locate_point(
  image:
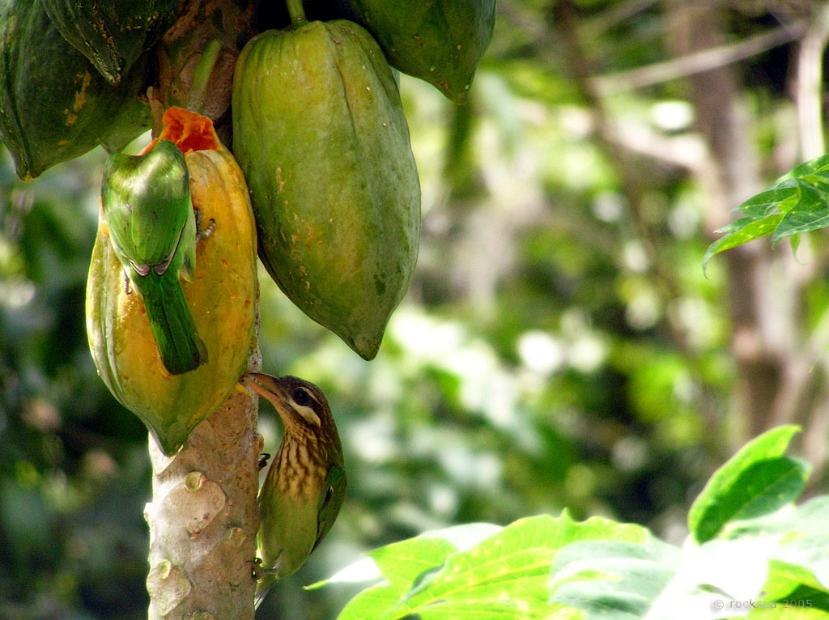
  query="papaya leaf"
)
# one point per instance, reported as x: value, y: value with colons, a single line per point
x: 794, y: 592
x: 733, y: 492
x: 503, y: 576
x: 819, y: 166
x: 771, y: 565
x: 402, y: 564
x: 805, y: 544
x: 784, y: 578
x: 797, y: 202
x: 459, y: 537
x: 744, y: 574
x: 509, y: 572
x: 811, y: 212
x: 611, y: 578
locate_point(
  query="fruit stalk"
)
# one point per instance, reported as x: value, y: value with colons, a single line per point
x: 297, y: 13
x: 202, y: 73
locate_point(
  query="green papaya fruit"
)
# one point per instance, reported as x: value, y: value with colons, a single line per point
x: 54, y: 105
x: 112, y: 34
x: 441, y: 41
x: 320, y: 134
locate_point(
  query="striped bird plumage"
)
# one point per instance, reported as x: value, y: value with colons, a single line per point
x: 305, y: 486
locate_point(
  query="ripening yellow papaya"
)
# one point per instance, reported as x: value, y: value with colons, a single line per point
x: 222, y: 298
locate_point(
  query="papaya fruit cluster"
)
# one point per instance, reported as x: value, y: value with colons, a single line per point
x: 325, y: 188
x: 320, y: 134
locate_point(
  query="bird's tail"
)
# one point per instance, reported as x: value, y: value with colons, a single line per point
x: 172, y: 323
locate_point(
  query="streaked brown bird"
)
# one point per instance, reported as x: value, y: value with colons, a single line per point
x: 305, y: 486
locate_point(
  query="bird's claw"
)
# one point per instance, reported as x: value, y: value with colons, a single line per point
x: 256, y: 571
x: 203, y: 233
x: 263, y: 459
x: 127, y: 289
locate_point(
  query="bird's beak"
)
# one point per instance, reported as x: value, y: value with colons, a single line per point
x: 266, y: 386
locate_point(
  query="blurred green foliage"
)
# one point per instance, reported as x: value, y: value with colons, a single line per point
x: 546, y: 356
x: 74, y: 471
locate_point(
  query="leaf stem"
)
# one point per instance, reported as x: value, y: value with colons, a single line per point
x: 297, y: 13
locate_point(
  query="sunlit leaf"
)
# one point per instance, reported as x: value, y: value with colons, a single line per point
x: 805, y: 544
x: 771, y: 563
x: 613, y: 579
x: 402, y: 564
x: 505, y: 575
x: 744, y: 488
x: 784, y: 578
x: 460, y: 537
x: 511, y: 568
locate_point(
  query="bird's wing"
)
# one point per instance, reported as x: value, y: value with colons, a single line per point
x: 330, y: 501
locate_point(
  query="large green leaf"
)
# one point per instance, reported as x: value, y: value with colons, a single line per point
x: 402, y: 564
x: 755, y: 481
x: 771, y: 567
x: 504, y: 576
x: 753, y: 554
x: 802, y: 557
x: 509, y: 572
x: 611, y: 578
x: 797, y: 562
x: 785, y: 578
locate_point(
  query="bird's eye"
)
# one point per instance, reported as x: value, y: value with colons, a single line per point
x: 303, y: 402
x: 301, y: 397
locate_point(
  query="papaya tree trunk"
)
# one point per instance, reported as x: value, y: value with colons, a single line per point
x: 203, y: 518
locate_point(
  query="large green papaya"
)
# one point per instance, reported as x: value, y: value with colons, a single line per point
x: 320, y: 134
x: 54, y: 105
x: 441, y: 41
x: 222, y: 297
x: 112, y: 34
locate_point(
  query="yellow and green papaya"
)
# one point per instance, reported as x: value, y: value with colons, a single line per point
x: 222, y: 298
x: 54, y: 105
x: 319, y: 131
x: 441, y: 41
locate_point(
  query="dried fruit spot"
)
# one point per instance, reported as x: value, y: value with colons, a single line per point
x: 80, y: 96
x: 279, y: 180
